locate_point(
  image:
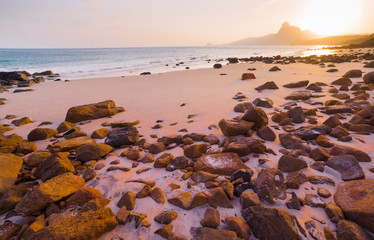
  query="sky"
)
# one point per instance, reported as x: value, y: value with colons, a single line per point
x: 139, y: 23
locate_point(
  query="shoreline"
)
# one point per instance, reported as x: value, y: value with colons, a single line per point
x: 194, y: 100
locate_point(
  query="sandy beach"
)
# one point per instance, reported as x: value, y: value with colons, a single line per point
x: 193, y: 101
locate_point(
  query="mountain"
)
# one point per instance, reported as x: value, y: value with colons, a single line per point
x: 336, y: 40
x: 287, y: 35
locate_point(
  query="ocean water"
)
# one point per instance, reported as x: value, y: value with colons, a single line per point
x: 86, y: 63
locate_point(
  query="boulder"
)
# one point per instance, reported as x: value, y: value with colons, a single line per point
x: 56, y: 164
x: 295, y: 179
x: 290, y: 141
x: 311, y: 132
x: 266, y: 133
x: 8, y: 144
x: 274, y: 69
x: 268, y: 223
x: 246, y: 76
x: 346, y: 230
x: 10, y: 198
x: 75, y: 224
x: 353, y: 73
x: 239, y: 226
x: 49, y: 192
x: 234, y: 127
x: 257, y: 116
x: 21, y: 121
x: 163, y: 161
x: 269, y: 185
x: 299, y: 95
x: 83, y: 196
x: 290, y: 164
x: 201, y: 233
x: 299, y: 84
x: 220, y: 163
x: 342, y: 81
x: 8, y: 230
x: 92, y: 111
x: 69, y: 145
x: 41, y: 134
x: 10, y: 165
x: 345, y: 150
x: 347, y: 166
x: 313, y: 200
x: 297, y: 114
x: 92, y: 151
x: 211, y: 218
x: 356, y: 199
x: 127, y: 200
x: 166, y: 217
x: 156, y: 148
x: 249, y: 199
x: 218, y: 198
x: 263, y: 102
x: 369, y: 78
x: 182, y: 200
x: 26, y: 147
x: 242, y: 107
x: 334, y: 212
x: 369, y: 65
x: 100, y: 133
x: 267, y: 85
x: 195, y: 150
x: 123, y: 136
x: 65, y: 126
x: 34, y: 159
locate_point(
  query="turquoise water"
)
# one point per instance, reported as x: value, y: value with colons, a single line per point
x: 80, y: 63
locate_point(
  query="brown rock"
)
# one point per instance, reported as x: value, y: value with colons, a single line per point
x: 211, y: 218
x: 163, y: 160
x: 234, y: 128
x: 345, y: 150
x: 198, y: 200
x: 158, y: 195
x: 144, y: 192
x: 21, y: 121
x: 71, y: 144
x: 323, y: 192
x: 239, y: 226
x: 334, y: 212
x: 266, y: 133
x: 356, y: 199
x: 195, y: 150
x: 290, y: 141
x: 339, y: 132
x: 314, y: 201
x: 346, y: 230
x: 257, y: 116
x: 221, y: 163
x: 295, y: 179
x: 218, y: 198
x: 41, y: 134
x: 156, y: 148
x: 299, y: 95
x: 267, y: 85
x: 246, y: 76
x: 166, y: 231
x: 298, y: 84
x: 249, y: 199
x: 319, y: 154
x: 269, y: 185
x: 347, y: 166
x: 324, y: 141
x: 56, y: 164
x: 290, y: 164
x: 65, y: 126
x: 92, y: 151
x: 8, y: 230
x: 83, y: 196
x: 127, y: 200
x: 10, y: 165
x: 182, y: 200
x: 211, y: 233
x: 166, y: 217
x: 8, y: 144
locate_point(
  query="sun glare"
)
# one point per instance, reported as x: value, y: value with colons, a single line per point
x: 331, y: 17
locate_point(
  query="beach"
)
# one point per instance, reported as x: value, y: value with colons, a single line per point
x: 194, y: 101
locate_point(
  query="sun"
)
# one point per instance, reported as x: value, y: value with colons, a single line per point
x: 331, y: 17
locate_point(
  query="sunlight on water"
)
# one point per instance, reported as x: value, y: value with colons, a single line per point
x: 318, y: 52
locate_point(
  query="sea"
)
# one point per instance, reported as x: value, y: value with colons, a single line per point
x: 78, y: 63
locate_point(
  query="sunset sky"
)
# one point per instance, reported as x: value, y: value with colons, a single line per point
x: 129, y: 23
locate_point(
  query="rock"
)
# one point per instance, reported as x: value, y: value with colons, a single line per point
x: 65, y: 126
x: 249, y: 199
x: 235, y: 127
x: 203, y: 177
x: 8, y: 144
x: 291, y: 141
x: 323, y: 192
x: 211, y: 233
x: 239, y: 226
x: 244, y: 174
x: 369, y: 78
x: 41, y: 134
x: 198, y: 200
x: 100, y: 133
x: 10, y: 165
x: 269, y: 185
x: 182, y: 200
x: 369, y: 65
x: 314, y: 201
x: 334, y: 212
x: 165, y: 231
x: 299, y: 84
x: 319, y: 154
x: 314, y: 179
x: 342, y: 81
x: 158, y: 195
x: 133, y: 154
x: 366, y: 128
x: 218, y: 198
x: 257, y: 116
x: 314, y: 87
x: 295, y: 179
x: 87, y: 174
x: 290, y: 164
x: 127, y: 200
x: 144, y: 192
x: 345, y: 150
x: 274, y: 69
x: 8, y: 230
x: 156, y: 148
x: 297, y: 114
x: 211, y: 139
x: 267, y: 85
x: 148, y: 158
x: 49, y: 192
x: 339, y: 132
x: 346, y: 230
x: 34, y: 159
x: 195, y: 150
x: 299, y: 95
x: 217, y: 66
x: 122, y: 215
x: 311, y: 132
x: 56, y: 164
x: 220, y: 163
x: 242, y: 107
x: 263, y: 102
x: 280, y: 221
x: 92, y: 151
x: 311, y: 227
x: 120, y: 124
x: 83, y: 196
x: 166, y: 217
x: 73, y: 224
x: 123, y: 136
x: 324, y: 141
x: 211, y: 218
x: 163, y: 160
x: 246, y: 76
x: 347, y: 166
x: 294, y: 202
x: 92, y: 111
x: 356, y: 199
x: 69, y: 145
x: 10, y: 198
x: 26, y: 147
x: 332, y: 122
x: 173, y: 139
x: 353, y: 74
x: 180, y: 162
x: 21, y: 121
